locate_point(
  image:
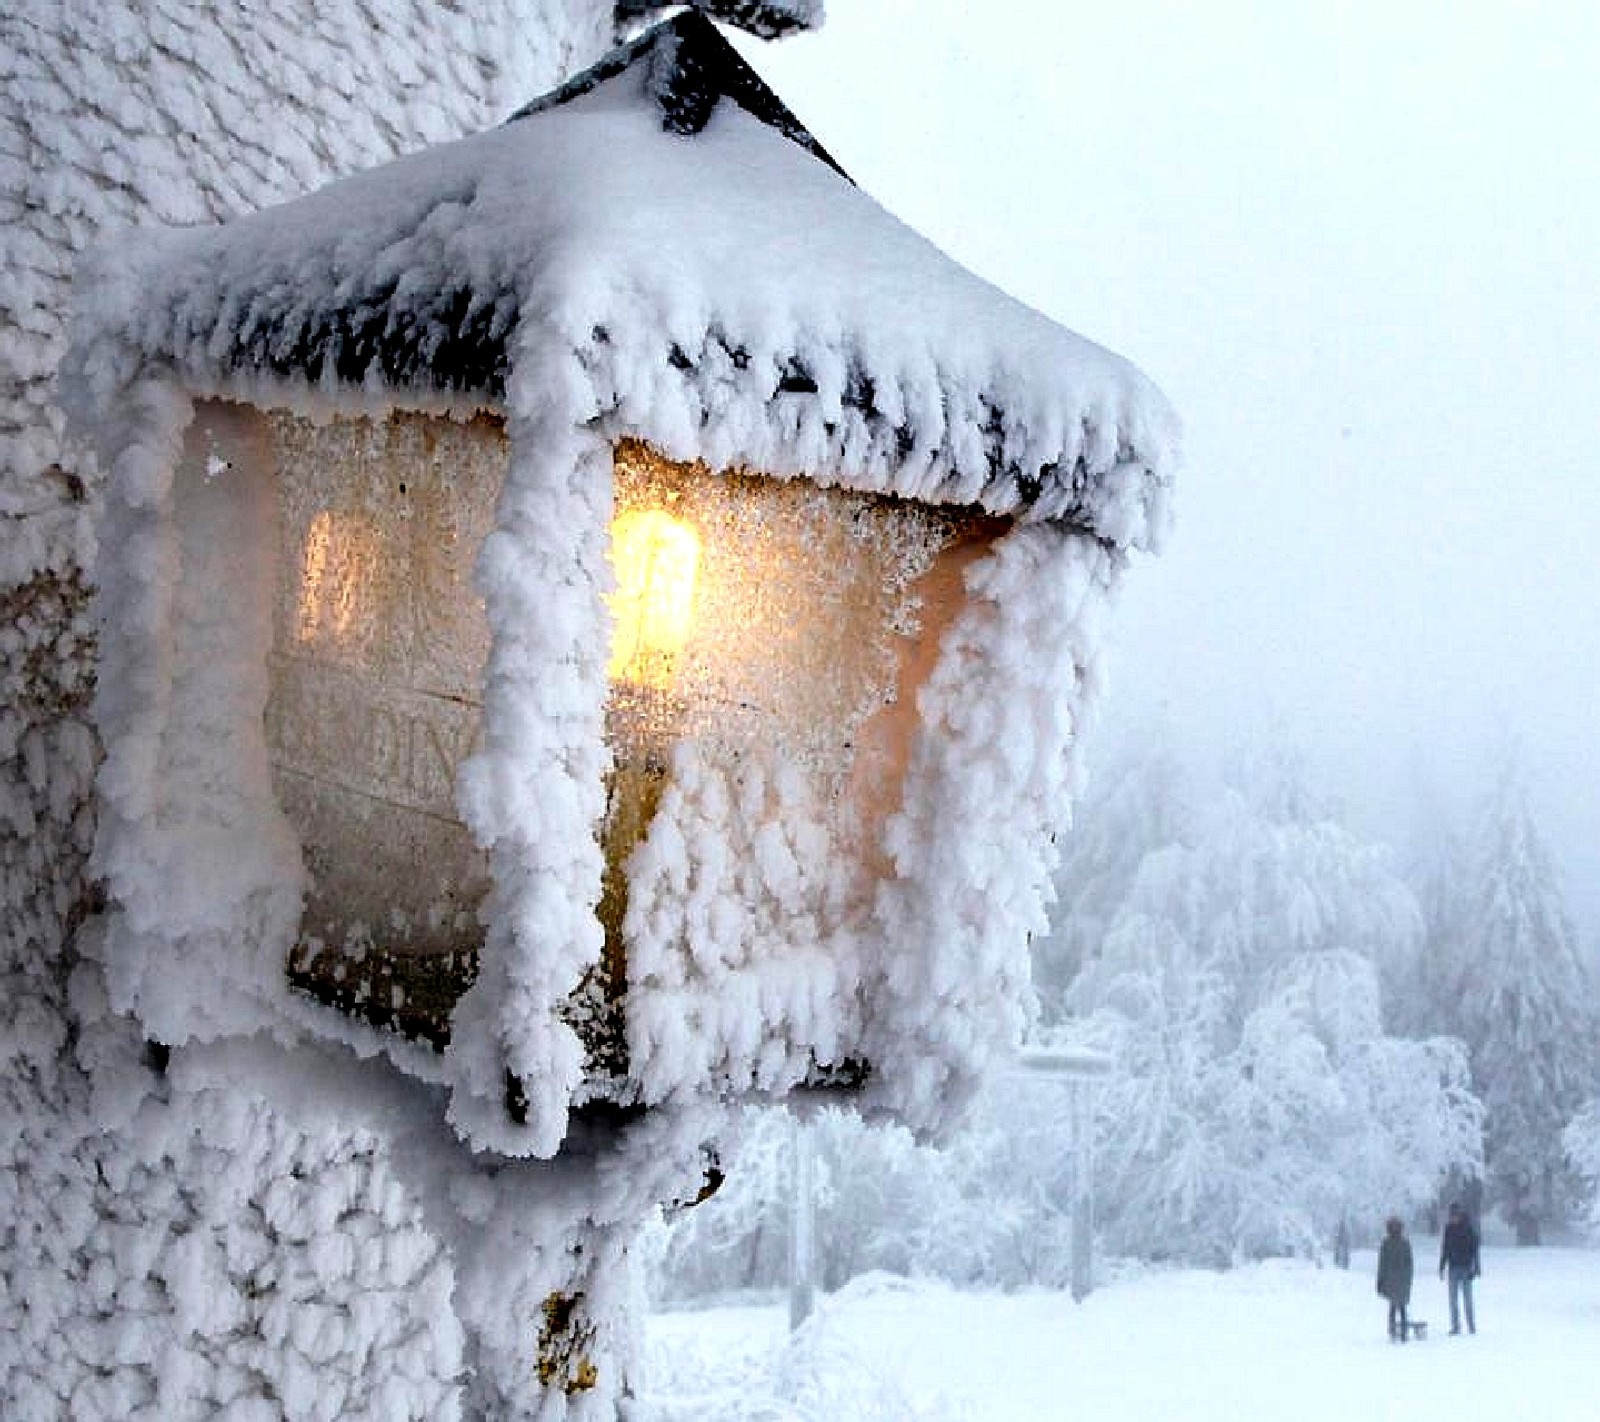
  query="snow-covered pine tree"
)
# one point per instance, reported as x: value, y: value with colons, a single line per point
x: 1515, y: 988
x: 1581, y: 1141
x: 1422, y: 997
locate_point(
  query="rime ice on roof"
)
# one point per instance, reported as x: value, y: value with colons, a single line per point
x: 658, y: 252
x: 723, y: 290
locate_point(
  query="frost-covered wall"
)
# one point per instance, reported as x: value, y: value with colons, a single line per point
x: 145, y: 1271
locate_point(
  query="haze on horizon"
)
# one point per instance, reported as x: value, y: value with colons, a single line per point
x: 1359, y: 248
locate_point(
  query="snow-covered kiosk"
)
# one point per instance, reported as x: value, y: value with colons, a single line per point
x: 600, y: 613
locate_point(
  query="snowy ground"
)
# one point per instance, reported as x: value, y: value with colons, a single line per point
x: 1269, y: 1342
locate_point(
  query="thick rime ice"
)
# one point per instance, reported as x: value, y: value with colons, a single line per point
x: 515, y: 1235
x: 185, y: 111
x: 756, y: 954
x: 746, y: 967
x: 730, y: 298
x: 993, y: 775
x: 534, y: 792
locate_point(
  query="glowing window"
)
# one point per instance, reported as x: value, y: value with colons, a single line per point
x: 656, y: 557
x: 336, y: 571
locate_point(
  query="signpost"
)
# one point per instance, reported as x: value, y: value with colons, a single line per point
x: 1079, y: 1069
x: 802, y: 1221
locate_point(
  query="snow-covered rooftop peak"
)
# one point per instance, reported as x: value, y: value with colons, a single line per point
x: 687, y: 69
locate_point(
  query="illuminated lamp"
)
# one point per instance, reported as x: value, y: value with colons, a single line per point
x: 614, y: 647
x: 587, y: 643
x: 753, y: 620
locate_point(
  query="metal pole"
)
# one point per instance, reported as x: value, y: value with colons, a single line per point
x: 1082, y: 1188
x: 802, y: 1223
x: 1079, y: 1069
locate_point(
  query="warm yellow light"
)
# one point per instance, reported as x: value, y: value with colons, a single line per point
x: 657, y: 558
x: 338, y: 562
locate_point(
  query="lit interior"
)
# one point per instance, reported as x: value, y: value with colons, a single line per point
x: 657, y: 561
x: 340, y: 555
x: 766, y: 629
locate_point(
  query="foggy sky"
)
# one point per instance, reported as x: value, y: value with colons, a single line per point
x: 1359, y: 248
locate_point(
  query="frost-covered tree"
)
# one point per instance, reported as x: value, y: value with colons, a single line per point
x: 1258, y: 1099
x: 1507, y: 978
x: 1137, y: 802
x: 991, y: 1207
x: 1581, y: 1141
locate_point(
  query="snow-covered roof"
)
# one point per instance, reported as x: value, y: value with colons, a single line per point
x: 664, y: 234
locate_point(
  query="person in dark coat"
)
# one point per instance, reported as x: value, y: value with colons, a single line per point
x: 1458, y: 1257
x: 1394, y: 1276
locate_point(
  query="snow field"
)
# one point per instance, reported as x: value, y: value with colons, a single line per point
x: 1278, y: 1340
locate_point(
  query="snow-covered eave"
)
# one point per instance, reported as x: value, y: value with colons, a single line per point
x: 727, y: 296
x: 920, y: 429
x: 711, y: 404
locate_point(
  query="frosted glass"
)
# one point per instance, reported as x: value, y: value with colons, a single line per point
x: 379, y: 644
x: 800, y: 617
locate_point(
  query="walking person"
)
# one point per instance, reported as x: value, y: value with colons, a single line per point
x: 1458, y: 1257
x: 1394, y: 1277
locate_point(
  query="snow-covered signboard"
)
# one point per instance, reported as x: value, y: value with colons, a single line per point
x: 599, y: 613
